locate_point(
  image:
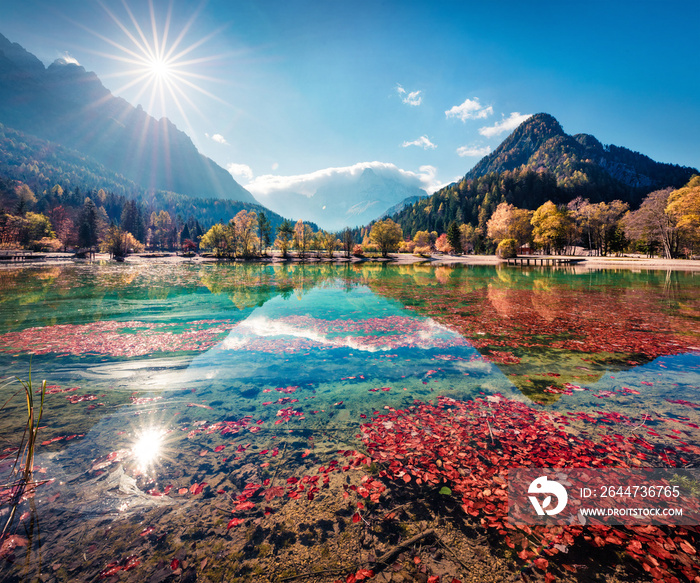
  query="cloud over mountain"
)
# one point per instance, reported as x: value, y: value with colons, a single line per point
x: 308, y: 184
x: 344, y: 196
x: 506, y: 125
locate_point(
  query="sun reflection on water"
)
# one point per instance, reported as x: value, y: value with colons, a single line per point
x: 148, y: 447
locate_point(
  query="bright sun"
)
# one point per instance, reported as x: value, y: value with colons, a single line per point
x: 160, y: 68
x: 160, y: 64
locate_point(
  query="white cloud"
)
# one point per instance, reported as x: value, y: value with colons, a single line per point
x: 240, y: 171
x: 308, y: 184
x: 470, y: 109
x: 422, y: 142
x: 469, y: 151
x: 218, y: 138
x: 275, y: 166
x: 506, y: 125
x: 429, y: 178
x: 66, y: 59
x: 413, y: 98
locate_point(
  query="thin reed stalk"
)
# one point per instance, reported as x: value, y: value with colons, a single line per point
x: 24, y: 462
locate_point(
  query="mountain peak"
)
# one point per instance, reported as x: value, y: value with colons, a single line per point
x: 66, y: 104
x: 20, y: 57
x: 541, y: 122
x: 589, y: 142
x: 66, y: 62
x: 540, y: 143
x: 525, y: 140
x: 69, y: 79
x: 539, y: 162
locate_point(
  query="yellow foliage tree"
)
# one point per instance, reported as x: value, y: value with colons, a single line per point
x: 684, y: 206
x: 549, y: 226
x: 510, y: 222
x: 386, y: 235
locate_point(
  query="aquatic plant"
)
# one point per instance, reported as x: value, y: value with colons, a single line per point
x: 23, y: 467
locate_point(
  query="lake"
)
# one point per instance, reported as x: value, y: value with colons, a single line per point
x: 249, y: 422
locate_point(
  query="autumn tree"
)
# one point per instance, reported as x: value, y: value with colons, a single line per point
x: 510, y: 222
x: 585, y: 224
x: 652, y: 226
x: 38, y: 227
x: 423, y: 239
x: 230, y: 243
x: 25, y: 199
x: 63, y: 225
x: 507, y: 248
x: 471, y: 238
x: 329, y: 243
x: 245, y: 224
x: 317, y: 243
x: 600, y: 224
x: 442, y: 244
x: 684, y: 206
x: 549, y: 227
x: 498, y: 226
x: 386, y: 235
x: 610, y: 235
x: 303, y: 236
x: 161, y: 230
x: 119, y: 243
x: 11, y: 227
x: 188, y: 245
x: 214, y: 239
x: 285, y: 233
x: 348, y: 242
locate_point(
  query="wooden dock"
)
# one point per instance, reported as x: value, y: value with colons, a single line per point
x: 21, y: 256
x: 543, y: 260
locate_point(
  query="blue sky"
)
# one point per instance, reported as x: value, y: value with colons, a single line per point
x: 290, y: 88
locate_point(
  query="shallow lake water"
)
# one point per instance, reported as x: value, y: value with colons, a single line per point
x: 215, y: 422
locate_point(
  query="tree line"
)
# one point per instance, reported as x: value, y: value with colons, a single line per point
x: 61, y: 219
x: 667, y: 223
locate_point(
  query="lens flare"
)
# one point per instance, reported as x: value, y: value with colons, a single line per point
x: 160, y: 68
x: 158, y: 63
x: 148, y: 446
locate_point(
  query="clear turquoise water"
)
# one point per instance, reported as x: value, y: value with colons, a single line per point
x: 174, y: 350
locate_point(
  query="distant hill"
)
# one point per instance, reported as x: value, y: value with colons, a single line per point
x: 69, y: 106
x: 579, y: 162
x: 41, y: 165
x: 398, y: 207
x: 540, y: 162
x: 344, y: 199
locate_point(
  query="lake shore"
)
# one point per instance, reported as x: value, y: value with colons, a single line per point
x: 627, y: 262
x: 633, y: 262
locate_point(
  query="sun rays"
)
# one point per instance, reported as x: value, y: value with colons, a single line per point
x: 159, y: 60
